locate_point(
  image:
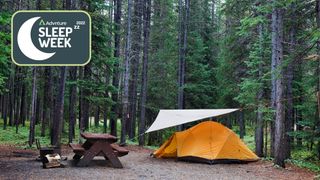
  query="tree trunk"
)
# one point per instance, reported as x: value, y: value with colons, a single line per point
x: 289, y: 122
x: 68, y: 4
x: 105, y: 119
x: 96, y: 117
x: 85, y: 94
x: 116, y: 74
x: 136, y: 49
x: 183, y: 30
x: 23, y: 106
x: 317, y: 115
x: 146, y: 34
x: 266, y: 139
x: 242, y: 124
x: 47, y: 100
x: 58, y: 118
x: 39, y: 107
x: 277, y: 55
x: 81, y: 120
x: 33, y: 106
x: 52, y: 100
x: 11, y: 92
x: 213, y: 13
x: 72, y: 102
x: 18, y: 98
x: 1, y: 103
x: 5, y: 110
x: 259, y: 125
x: 38, y: 4
x: 125, y: 97
x: 273, y: 80
x: 53, y: 4
x: 181, y: 58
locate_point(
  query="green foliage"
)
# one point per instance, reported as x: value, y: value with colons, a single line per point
x: 199, y: 78
x: 199, y: 92
x: 10, y: 137
x: 162, y: 72
x: 20, y: 139
x: 102, y: 61
x: 315, y: 167
x: 5, y: 39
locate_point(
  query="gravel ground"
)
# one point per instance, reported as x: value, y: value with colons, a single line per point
x: 21, y: 164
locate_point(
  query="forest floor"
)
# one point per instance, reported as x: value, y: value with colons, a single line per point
x: 21, y: 164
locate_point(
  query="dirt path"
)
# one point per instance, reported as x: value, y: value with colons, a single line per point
x: 21, y: 164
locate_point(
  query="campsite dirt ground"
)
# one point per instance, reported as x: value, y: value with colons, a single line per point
x: 21, y: 164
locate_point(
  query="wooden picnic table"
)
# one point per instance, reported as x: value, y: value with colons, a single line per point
x: 98, y: 145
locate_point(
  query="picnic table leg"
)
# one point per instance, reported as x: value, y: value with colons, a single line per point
x: 87, y: 144
x: 109, y: 154
x: 90, y: 154
x: 77, y: 157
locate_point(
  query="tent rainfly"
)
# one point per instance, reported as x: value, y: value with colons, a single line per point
x: 174, y: 117
x: 208, y: 142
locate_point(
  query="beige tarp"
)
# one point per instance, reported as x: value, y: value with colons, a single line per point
x: 174, y: 117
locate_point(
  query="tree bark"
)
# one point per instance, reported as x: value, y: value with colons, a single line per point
x: 136, y: 49
x: 125, y: 96
x: 273, y: 80
x: 39, y: 107
x: 51, y: 99
x: 11, y: 97
x: 289, y: 122
x: 53, y: 4
x: 241, y: 124
x: 85, y: 94
x: 5, y: 110
x: 68, y: 4
x: 23, y: 106
x: 1, y: 103
x: 146, y: 34
x: 96, y: 117
x: 72, y: 102
x: 274, y: 42
x: 81, y: 120
x: 183, y: 30
x: 317, y: 115
x: 33, y: 106
x: 47, y: 99
x: 58, y: 118
x: 116, y: 74
x: 213, y: 14
x: 38, y: 4
x: 105, y: 119
x: 259, y: 125
x: 277, y: 55
x: 18, y: 98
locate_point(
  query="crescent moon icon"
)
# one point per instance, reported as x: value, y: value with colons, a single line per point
x: 26, y: 45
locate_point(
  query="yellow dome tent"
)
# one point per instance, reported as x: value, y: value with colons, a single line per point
x: 209, y: 142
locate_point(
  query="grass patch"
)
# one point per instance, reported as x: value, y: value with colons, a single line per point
x: 313, y: 166
x: 305, y: 159
x: 10, y: 137
x: 20, y: 139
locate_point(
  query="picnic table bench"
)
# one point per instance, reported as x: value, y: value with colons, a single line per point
x: 98, y: 145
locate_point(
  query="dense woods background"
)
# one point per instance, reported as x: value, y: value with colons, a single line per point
x: 261, y: 56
